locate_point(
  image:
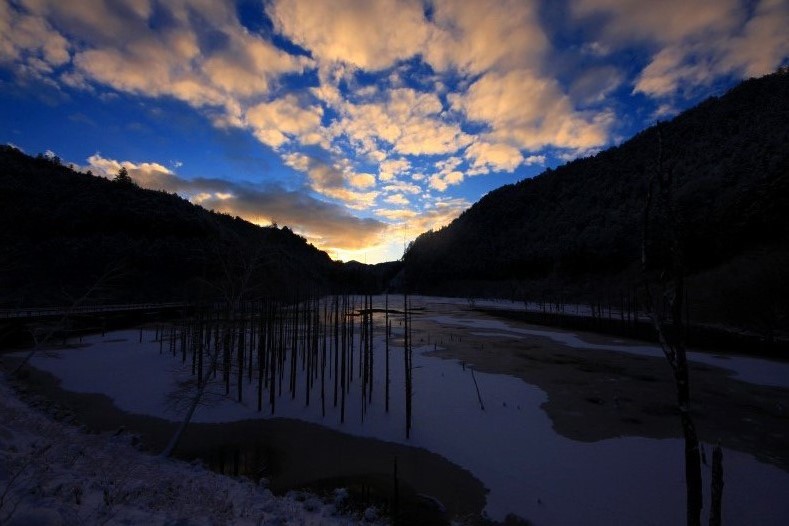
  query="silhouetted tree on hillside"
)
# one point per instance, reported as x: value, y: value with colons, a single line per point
x: 123, y: 176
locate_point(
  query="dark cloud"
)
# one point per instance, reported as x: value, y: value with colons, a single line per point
x: 328, y: 225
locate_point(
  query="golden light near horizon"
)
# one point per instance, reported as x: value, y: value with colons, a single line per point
x: 325, y: 118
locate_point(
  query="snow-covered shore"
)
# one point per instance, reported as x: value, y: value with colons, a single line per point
x: 52, y: 473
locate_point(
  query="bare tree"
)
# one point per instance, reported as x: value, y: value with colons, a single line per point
x: 669, y: 324
x: 194, y: 392
x: 238, y: 265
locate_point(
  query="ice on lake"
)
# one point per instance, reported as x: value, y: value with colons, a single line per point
x: 509, y: 445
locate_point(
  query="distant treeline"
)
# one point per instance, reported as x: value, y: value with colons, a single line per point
x: 575, y: 232
x: 64, y: 233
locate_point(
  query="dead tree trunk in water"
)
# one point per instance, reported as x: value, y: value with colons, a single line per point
x: 197, y: 397
x: 241, y: 347
x: 336, y: 345
x: 717, y: 486
x: 323, y: 335
x: 363, y: 352
x: 672, y: 338
x: 407, y: 359
x: 386, y: 336
x: 372, y: 355
x: 343, y: 372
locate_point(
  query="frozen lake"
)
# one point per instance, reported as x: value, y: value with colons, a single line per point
x: 493, y: 425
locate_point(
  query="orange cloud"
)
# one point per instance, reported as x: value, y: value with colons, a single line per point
x: 397, y: 199
x: 390, y: 168
x: 119, y: 48
x: 485, y: 35
x: 328, y: 226
x: 367, y: 34
x: 529, y: 111
x: 274, y: 123
x: 31, y: 40
x: 485, y: 156
x: 333, y: 182
x: 408, y: 120
x: 408, y: 224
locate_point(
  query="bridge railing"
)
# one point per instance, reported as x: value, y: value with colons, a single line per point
x: 40, y: 312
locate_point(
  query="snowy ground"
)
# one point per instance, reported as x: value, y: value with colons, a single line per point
x: 509, y: 444
x: 54, y: 474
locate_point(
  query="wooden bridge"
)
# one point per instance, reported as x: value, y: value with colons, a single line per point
x: 40, y: 313
x: 18, y: 325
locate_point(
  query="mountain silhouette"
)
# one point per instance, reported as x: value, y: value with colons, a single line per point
x: 576, y: 232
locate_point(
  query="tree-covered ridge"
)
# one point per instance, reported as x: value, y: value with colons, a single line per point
x: 62, y: 230
x: 568, y: 227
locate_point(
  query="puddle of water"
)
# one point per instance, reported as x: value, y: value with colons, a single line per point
x: 491, y: 425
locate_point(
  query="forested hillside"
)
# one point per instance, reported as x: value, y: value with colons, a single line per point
x: 63, y: 232
x: 576, y: 231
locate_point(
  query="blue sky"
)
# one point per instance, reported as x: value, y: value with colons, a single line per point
x: 360, y: 123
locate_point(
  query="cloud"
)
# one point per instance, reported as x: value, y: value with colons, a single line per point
x: 442, y: 181
x: 409, y: 121
x: 762, y: 44
x: 396, y: 214
x: 594, y: 85
x: 361, y: 180
x: 276, y: 122
x: 327, y: 225
x: 447, y: 174
x: 402, y: 187
x: 485, y: 156
x: 475, y: 37
x: 148, y: 175
x: 696, y: 42
x: 397, y: 199
x: 408, y: 224
x: 756, y: 47
x: 528, y: 111
x: 391, y: 168
x: 534, y: 159
x: 665, y: 21
x: 439, y: 214
x: 668, y: 69
x: 196, y: 52
x: 31, y: 42
x: 333, y: 181
x: 383, y: 105
x: 367, y: 34
x: 199, y: 53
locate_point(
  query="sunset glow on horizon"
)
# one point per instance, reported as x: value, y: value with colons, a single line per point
x: 360, y: 124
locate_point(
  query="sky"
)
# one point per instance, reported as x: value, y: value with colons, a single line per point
x: 360, y: 124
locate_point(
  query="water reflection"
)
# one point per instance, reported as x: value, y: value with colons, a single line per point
x: 493, y: 425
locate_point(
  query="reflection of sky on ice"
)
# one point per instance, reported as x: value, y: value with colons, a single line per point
x: 510, y: 445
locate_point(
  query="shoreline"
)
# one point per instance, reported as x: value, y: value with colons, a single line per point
x: 297, y: 455
x: 698, y: 336
x: 596, y: 394
x: 56, y: 473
